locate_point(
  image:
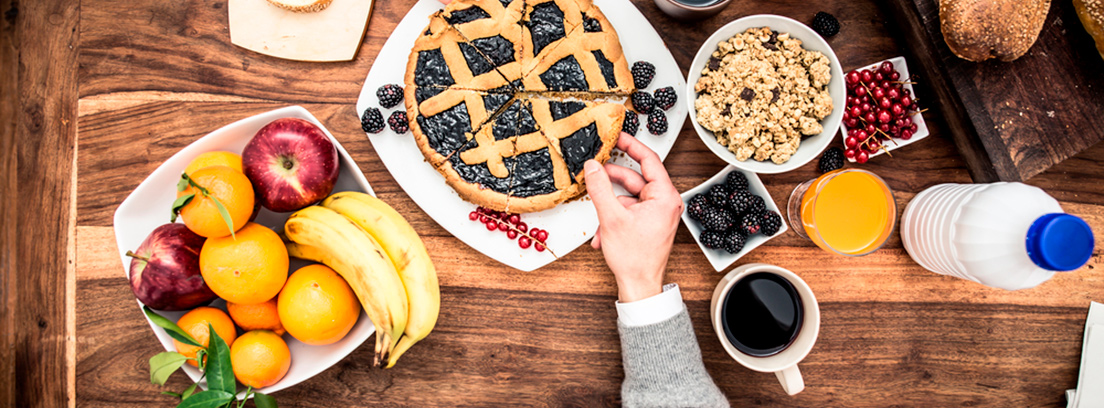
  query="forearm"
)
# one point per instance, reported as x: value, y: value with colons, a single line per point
x: 663, y: 365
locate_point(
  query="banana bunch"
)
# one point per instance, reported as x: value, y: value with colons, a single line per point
x: 383, y: 259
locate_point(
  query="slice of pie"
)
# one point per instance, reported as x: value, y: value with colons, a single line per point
x: 508, y: 99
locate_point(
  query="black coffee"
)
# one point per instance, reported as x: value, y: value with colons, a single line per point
x: 698, y: 3
x: 762, y: 314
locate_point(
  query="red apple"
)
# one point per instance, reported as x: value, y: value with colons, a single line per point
x: 164, y: 270
x: 291, y: 163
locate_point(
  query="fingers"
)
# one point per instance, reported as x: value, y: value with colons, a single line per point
x: 596, y: 242
x: 600, y: 188
x: 650, y: 164
x: 627, y: 200
x: 631, y: 180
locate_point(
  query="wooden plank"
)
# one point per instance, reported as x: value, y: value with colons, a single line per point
x: 9, y: 181
x: 38, y: 273
x: 1011, y: 120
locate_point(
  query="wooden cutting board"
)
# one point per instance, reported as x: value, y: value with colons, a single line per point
x: 1010, y: 120
x: 333, y: 34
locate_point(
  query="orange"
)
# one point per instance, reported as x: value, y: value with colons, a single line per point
x: 260, y: 358
x: 230, y: 187
x: 317, y: 306
x: 195, y: 324
x: 260, y: 316
x: 231, y: 160
x: 247, y: 268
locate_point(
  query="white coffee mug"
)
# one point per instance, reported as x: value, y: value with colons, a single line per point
x: 783, y: 364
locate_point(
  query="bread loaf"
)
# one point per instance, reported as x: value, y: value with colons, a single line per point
x: 302, y: 6
x: 1091, y: 13
x: 977, y: 30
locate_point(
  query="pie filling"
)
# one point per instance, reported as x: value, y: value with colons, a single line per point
x: 581, y: 146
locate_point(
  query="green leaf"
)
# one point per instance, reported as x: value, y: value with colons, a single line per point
x: 183, y: 183
x: 263, y: 400
x: 174, y: 331
x: 164, y: 364
x: 189, y: 391
x: 220, y: 374
x: 179, y: 205
x: 171, y: 393
x: 201, y: 361
x: 207, y: 399
x: 225, y: 215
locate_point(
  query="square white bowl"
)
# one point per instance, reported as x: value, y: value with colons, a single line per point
x: 811, y: 146
x: 148, y: 207
x: 719, y: 258
x: 901, y: 66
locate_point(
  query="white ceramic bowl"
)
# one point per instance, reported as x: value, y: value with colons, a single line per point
x: 901, y: 66
x: 719, y: 258
x: 148, y: 207
x: 812, y: 146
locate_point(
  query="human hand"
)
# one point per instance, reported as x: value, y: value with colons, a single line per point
x: 635, y: 234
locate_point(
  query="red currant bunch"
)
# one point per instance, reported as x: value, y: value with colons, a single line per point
x: 512, y: 226
x: 878, y: 109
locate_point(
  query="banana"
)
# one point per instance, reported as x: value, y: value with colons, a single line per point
x: 321, y: 234
x: 407, y: 253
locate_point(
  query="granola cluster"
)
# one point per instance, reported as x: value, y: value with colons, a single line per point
x: 761, y: 92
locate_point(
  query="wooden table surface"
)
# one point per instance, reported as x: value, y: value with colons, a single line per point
x: 104, y: 91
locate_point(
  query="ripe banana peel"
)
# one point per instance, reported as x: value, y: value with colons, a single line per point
x: 323, y: 235
x: 408, y: 254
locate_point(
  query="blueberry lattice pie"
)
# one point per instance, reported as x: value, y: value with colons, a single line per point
x: 508, y: 99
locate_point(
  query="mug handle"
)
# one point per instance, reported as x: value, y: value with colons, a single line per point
x: 791, y: 380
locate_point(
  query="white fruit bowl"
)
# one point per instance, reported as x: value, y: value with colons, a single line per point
x: 901, y: 66
x: 811, y: 146
x: 148, y: 207
x: 719, y: 258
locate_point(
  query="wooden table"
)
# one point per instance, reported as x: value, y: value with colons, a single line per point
x: 107, y: 90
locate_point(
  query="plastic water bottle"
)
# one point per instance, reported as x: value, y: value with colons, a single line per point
x: 1005, y: 235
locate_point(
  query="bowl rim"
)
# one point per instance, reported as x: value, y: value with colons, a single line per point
x: 830, y: 123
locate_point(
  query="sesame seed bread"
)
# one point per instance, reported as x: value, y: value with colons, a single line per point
x: 976, y: 30
x: 302, y: 6
x: 1091, y: 13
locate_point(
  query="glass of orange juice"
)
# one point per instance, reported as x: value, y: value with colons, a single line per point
x: 849, y: 211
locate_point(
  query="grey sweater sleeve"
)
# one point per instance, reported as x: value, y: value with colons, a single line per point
x: 663, y: 366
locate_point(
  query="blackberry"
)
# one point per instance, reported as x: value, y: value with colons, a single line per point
x: 398, y: 122
x: 740, y: 201
x: 697, y: 206
x: 770, y: 222
x: 712, y: 239
x: 831, y: 160
x: 665, y: 98
x: 389, y: 95
x: 718, y: 196
x: 371, y: 121
x: 736, y: 181
x: 657, y: 123
x: 642, y: 72
x: 757, y: 204
x: 734, y: 240
x: 825, y: 24
x: 749, y: 223
x: 631, y: 123
x: 716, y: 219
x: 642, y: 102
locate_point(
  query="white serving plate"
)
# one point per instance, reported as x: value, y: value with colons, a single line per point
x: 570, y: 224
x: 812, y: 146
x: 719, y: 258
x: 148, y: 207
x: 901, y: 66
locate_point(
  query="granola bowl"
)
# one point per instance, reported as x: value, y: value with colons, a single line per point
x: 750, y: 119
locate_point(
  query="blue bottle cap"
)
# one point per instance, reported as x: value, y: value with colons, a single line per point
x: 1059, y: 242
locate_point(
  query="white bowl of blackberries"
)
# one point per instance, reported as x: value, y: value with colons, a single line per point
x: 730, y: 215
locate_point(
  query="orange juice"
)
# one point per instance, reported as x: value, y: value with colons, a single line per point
x: 848, y: 211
